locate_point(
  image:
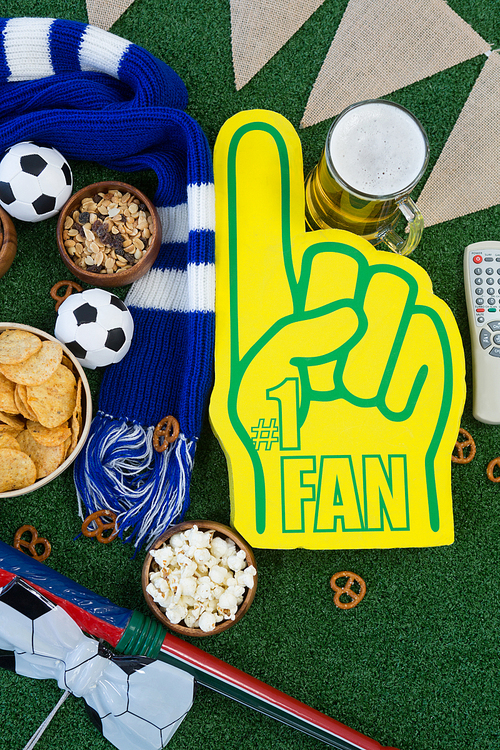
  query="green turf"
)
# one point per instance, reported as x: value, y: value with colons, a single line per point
x: 416, y: 665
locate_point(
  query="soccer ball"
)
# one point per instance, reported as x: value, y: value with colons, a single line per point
x: 96, y: 326
x: 35, y: 181
x: 150, y: 702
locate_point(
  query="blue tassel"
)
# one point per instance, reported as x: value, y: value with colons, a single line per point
x: 119, y: 470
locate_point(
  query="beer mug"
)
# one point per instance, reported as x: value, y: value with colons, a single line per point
x: 376, y: 152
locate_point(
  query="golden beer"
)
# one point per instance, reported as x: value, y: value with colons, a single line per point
x: 375, y: 153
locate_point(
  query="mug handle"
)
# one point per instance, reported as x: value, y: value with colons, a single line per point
x: 414, y: 229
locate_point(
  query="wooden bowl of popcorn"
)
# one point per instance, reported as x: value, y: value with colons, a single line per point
x: 199, y: 578
x: 108, y: 234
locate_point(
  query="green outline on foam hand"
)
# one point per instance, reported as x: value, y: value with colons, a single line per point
x: 298, y: 291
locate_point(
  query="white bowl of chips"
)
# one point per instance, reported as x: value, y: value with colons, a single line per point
x: 45, y: 409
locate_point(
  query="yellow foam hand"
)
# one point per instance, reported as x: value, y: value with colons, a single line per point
x: 339, y: 374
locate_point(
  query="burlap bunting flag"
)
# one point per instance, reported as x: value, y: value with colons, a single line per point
x: 259, y: 28
x: 466, y: 177
x: 383, y: 45
x: 104, y: 14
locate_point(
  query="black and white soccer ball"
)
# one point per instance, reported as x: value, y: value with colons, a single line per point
x: 35, y: 181
x: 96, y: 326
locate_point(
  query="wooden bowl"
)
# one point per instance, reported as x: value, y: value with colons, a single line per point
x: 150, y: 565
x: 128, y: 275
x: 8, y: 242
x: 86, y: 413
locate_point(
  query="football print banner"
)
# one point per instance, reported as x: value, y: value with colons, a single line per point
x: 339, y: 382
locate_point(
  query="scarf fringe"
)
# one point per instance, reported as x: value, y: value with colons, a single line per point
x: 119, y: 470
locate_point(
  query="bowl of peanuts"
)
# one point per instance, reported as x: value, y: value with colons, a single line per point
x: 199, y: 578
x: 108, y: 234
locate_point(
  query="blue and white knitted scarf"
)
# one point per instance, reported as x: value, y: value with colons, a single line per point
x: 95, y: 96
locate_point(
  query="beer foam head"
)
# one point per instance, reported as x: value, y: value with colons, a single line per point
x: 377, y: 149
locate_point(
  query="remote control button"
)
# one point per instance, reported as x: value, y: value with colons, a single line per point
x: 495, y: 351
x: 480, y: 309
x: 480, y: 301
x: 477, y: 258
x: 490, y: 290
x: 478, y: 281
x: 496, y: 338
x: 489, y: 271
x: 485, y: 338
x: 479, y: 291
x: 480, y: 319
x: 488, y: 260
x: 494, y: 325
x: 478, y: 271
x: 491, y: 300
x: 492, y: 309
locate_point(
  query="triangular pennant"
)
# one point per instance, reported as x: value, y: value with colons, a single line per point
x: 259, y: 28
x: 104, y: 13
x: 383, y: 45
x: 466, y: 177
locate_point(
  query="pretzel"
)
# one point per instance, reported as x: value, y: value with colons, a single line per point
x: 166, y: 432
x: 347, y: 589
x: 32, y: 544
x: 459, y: 447
x: 95, y: 520
x: 490, y: 468
x: 70, y: 285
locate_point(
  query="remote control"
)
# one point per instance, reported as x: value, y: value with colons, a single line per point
x: 482, y: 292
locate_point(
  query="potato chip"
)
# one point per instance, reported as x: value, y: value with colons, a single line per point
x: 67, y: 363
x: 48, y: 436
x: 54, y: 400
x: 67, y: 447
x: 7, y: 429
x: 7, y: 401
x: 76, y: 418
x: 38, y: 368
x: 22, y: 406
x: 46, y: 458
x: 9, y: 441
x: 12, y: 420
x: 17, y: 470
x: 17, y: 345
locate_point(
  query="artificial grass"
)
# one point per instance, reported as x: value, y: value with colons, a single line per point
x: 415, y: 666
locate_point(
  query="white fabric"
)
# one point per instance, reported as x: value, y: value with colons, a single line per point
x: 36, y: 64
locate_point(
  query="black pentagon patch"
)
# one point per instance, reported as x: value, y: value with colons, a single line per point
x: 32, y: 164
x: 85, y: 314
x: 131, y: 664
x: 115, y: 339
x: 8, y: 660
x: 67, y: 173
x: 117, y: 302
x: 44, y: 204
x: 25, y: 600
x: 94, y: 717
x: 76, y: 349
x: 6, y: 194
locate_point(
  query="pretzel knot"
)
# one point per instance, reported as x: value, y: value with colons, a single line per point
x: 98, y: 523
x: 495, y: 463
x: 459, y: 448
x: 166, y: 432
x: 354, y: 597
x: 59, y: 298
x: 34, y: 542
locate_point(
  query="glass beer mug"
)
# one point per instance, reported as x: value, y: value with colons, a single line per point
x: 376, y: 152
